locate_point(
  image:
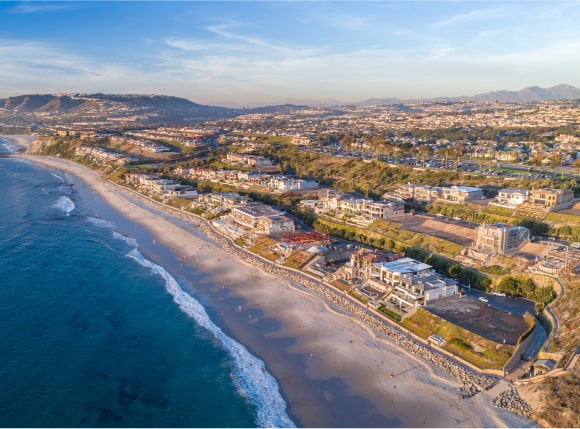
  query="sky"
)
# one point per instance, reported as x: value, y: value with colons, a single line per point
x: 251, y: 53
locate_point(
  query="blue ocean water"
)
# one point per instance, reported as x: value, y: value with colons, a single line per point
x: 92, y: 334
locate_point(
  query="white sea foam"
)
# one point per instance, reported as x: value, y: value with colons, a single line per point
x: 58, y: 177
x: 130, y: 241
x: 250, y: 375
x: 99, y: 222
x: 65, y: 204
x: 5, y: 143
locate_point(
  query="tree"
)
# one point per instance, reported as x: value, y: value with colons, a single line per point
x: 577, y: 165
x: 556, y: 160
x: 527, y: 287
x: 509, y: 285
x: 444, y: 152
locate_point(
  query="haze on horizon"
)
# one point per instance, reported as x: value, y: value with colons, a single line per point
x: 248, y: 53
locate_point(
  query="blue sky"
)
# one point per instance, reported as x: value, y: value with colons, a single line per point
x: 235, y: 53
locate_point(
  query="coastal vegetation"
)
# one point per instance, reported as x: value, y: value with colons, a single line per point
x: 262, y: 246
x: 526, y: 287
x: 469, y: 346
x: 298, y: 259
x: 567, y: 310
x: 390, y: 313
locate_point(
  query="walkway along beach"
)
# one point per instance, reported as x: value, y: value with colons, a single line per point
x: 336, y: 363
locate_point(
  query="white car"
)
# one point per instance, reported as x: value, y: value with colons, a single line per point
x: 483, y: 298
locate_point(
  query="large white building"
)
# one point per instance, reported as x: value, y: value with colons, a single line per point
x: 512, y: 197
x: 413, y: 283
x: 261, y: 219
x: 366, y: 208
x: 462, y: 194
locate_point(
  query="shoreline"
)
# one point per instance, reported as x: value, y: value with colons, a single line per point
x: 19, y: 141
x: 332, y: 369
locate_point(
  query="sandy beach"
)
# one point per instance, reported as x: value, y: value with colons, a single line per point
x: 333, y: 370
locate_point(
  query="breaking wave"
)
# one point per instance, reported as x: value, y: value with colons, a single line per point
x: 65, y: 204
x: 250, y: 375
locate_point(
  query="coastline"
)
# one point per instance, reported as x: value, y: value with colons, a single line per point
x: 21, y: 142
x: 333, y: 370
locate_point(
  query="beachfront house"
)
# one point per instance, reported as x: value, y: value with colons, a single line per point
x: 261, y: 219
x: 413, y: 283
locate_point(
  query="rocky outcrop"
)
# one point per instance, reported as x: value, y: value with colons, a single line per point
x: 510, y: 400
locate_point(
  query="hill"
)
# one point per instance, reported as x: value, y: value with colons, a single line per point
x: 526, y: 95
x: 531, y: 94
x: 145, y: 108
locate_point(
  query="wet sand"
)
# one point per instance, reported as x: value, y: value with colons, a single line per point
x: 333, y: 371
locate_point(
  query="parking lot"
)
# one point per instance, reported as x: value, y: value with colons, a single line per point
x: 480, y: 317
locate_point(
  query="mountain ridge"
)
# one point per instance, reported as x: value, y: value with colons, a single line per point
x: 529, y: 94
x: 175, y: 109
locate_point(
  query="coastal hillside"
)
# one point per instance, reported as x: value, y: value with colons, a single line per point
x: 37, y: 110
x: 47, y: 103
x: 103, y: 107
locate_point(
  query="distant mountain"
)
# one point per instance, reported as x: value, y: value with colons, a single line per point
x: 530, y: 94
x: 147, y: 108
x: 380, y: 101
x: 53, y: 109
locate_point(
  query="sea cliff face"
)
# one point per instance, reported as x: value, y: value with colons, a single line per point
x: 39, y: 145
x: 48, y: 145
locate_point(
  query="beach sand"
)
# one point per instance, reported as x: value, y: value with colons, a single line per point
x: 333, y: 371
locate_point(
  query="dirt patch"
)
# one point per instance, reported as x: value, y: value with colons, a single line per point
x: 574, y: 210
x: 478, y: 317
x: 446, y: 230
x: 531, y: 251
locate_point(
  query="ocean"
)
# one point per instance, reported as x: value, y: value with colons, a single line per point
x: 93, y: 334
